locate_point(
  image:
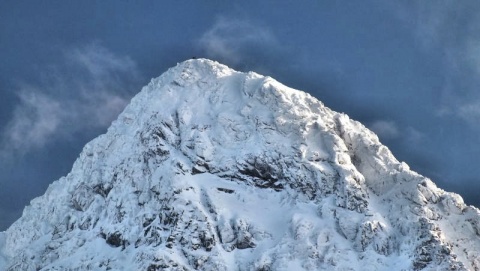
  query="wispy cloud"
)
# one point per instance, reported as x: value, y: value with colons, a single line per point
x: 34, y: 121
x: 430, y: 20
x: 470, y: 112
x: 235, y: 41
x: 385, y: 129
x: 390, y: 130
x: 413, y: 136
x: 453, y: 29
x: 86, y: 92
x: 101, y: 64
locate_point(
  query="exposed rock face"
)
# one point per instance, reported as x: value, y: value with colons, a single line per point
x: 213, y: 169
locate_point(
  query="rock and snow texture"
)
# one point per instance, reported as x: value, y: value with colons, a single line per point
x: 213, y: 169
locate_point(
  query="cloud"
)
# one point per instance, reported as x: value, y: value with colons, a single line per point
x: 87, y: 91
x: 413, y: 136
x: 442, y: 23
x: 101, y: 64
x: 236, y: 41
x: 429, y: 19
x: 450, y: 30
x: 470, y: 112
x: 33, y: 122
x: 389, y: 130
x: 385, y: 129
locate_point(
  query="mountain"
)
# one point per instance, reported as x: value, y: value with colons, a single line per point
x: 212, y: 169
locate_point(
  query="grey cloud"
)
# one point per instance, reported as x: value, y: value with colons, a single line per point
x: 470, y: 112
x: 65, y: 104
x: 451, y: 29
x: 385, y: 129
x: 390, y: 130
x: 413, y: 136
x: 33, y: 122
x: 100, y: 63
x: 230, y: 40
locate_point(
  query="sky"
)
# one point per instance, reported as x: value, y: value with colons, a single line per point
x: 408, y: 70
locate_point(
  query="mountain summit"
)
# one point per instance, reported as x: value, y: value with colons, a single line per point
x: 213, y: 169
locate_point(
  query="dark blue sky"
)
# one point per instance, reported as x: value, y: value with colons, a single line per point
x: 409, y: 70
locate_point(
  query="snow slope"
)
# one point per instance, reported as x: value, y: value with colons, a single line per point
x: 212, y: 169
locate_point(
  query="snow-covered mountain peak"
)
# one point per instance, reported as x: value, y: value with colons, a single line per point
x: 212, y: 169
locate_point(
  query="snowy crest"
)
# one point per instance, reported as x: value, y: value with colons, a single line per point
x: 213, y: 169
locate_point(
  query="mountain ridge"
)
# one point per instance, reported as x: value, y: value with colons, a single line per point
x: 212, y: 169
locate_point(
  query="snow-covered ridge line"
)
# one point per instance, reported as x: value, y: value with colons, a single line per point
x: 212, y: 169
